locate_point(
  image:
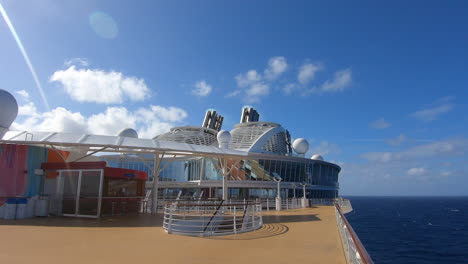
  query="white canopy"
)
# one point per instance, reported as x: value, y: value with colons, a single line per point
x: 115, y: 144
x: 98, y: 143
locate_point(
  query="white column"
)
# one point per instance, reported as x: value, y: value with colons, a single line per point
x: 278, y: 196
x: 157, y: 164
x: 304, y: 199
x: 223, y: 163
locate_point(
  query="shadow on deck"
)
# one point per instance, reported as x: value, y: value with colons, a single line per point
x: 270, y: 219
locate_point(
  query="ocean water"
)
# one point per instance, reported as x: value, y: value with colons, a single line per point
x: 412, y: 229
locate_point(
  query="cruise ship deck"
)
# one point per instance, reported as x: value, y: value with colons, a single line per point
x: 307, y: 235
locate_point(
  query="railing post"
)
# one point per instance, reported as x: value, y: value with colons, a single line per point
x: 169, y: 228
x: 235, y: 224
x: 253, y: 216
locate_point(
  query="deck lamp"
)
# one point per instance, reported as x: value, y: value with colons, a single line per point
x: 278, y: 180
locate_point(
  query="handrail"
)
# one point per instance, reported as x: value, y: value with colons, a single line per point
x: 214, y: 214
x: 245, y: 210
x: 212, y: 220
x: 364, y: 255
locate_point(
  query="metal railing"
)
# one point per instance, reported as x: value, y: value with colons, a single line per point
x: 345, y: 205
x: 291, y: 203
x: 266, y: 203
x: 322, y: 201
x: 211, y: 218
x: 355, y: 252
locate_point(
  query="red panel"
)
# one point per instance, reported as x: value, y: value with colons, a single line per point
x: 73, y: 165
x: 125, y: 174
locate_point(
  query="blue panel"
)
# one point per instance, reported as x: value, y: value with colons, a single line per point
x: 36, y: 156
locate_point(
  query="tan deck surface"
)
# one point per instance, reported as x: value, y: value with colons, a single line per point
x: 295, y: 236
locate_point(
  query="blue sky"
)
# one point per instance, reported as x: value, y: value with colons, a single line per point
x: 378, y: 87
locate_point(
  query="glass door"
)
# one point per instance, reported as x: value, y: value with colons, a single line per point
x: 70, y: 181
x: 80, y: 192
x: 89, y: 198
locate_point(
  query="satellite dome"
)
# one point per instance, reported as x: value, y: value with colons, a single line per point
x: 224, y: 137
x: 128, y: 132
x: 8, y: 109
x: 300, y: 145
x: 317, y: 157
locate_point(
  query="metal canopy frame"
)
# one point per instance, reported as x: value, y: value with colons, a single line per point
x: 116, y: 144
x: 92, y: 144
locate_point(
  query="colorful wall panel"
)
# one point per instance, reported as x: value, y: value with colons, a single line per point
x: 17, y: 165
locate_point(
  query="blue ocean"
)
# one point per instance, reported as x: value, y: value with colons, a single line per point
x: 412, y: 229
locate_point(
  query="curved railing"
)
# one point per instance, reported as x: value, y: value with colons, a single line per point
x: 211, y: 218
x: 355, y: 252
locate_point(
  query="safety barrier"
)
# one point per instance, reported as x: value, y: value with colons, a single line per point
x: 355, y: 252
x: 211, y: 218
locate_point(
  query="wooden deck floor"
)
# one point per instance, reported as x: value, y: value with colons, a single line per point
x: 296, y: 236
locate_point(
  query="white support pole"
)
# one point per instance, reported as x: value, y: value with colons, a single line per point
x: 224, y: 172
x: 304, y: 199
x: 157, y: 164
x: 278, y: 196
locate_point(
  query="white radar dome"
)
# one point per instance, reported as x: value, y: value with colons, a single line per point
x: 317, y: 157
x: 8, y: 109
x: 224, y: 136
x: 300, y: 145
x: 128, y: 132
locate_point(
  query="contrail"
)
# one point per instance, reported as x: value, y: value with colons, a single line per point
x: 25, y: 55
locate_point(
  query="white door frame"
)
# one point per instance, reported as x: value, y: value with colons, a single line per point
x: 60, y: 186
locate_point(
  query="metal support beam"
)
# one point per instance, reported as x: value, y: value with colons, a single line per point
x: 93, y: 152
x: 157, y: 164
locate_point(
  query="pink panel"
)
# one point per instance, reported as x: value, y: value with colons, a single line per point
x: 13, y: 177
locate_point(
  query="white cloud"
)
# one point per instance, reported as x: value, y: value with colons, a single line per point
x: 77, y: 61
x: 276, y: 67
x: 233, y: 94
x: 258, y: 89
x: 202, y: 89
x: 307, y: 72
x: 149, y: 122
x: 87, y: 85
x: 252, y: 85
x: 156, y: 112
x: 290, y: 88
x: 341, y: 80
x: 111, y: 121
x: 416, y: 171
x: 249, y: 78
x: 446, y: 173
x: 325, y: 148
x: 432, y: 113
x: 397, y: 141
x: 28, y: 109
x: 24, y: 94
x: 380, y: 124
x: 438, y: 149
x: 58, y: 119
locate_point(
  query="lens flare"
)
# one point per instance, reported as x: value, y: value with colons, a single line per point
x: 103, y: 25
x: 25, y: 55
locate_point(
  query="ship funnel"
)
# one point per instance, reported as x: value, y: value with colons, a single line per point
x: 249, y: 114
x: 213, y: 120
